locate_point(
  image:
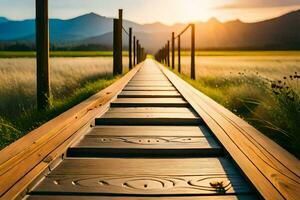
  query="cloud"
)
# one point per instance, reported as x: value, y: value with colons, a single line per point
x: 244, y: 4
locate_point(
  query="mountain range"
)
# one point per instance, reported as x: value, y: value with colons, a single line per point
x: 278, y: 33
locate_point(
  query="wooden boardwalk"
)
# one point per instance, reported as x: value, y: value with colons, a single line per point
x: 149, y: 143
x: 149, y: 136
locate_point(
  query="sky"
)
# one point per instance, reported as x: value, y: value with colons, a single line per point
x: 149, y: 11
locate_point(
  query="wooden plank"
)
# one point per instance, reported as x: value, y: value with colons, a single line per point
x: 145, y: 146
x: 218, y: 197
x: 149, y: 102
x: 150, y: 83
x: 148, y: 142
x: 149, y: 88
x: 149, y: 121
x: 143, y: 177
x: 149, y: 78
x: 165, y: 131
x: 167, y: 82
x: 272, y: 170
x: 152, y: 110
x: 26, y: 155
x: 136, y: 115
x: 149, y: 94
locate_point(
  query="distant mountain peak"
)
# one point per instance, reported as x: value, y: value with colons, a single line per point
x: 93, y: 14
x: 89, y: 16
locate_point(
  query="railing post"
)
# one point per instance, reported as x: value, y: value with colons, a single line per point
x: 134, y: 51
x: 42, y: 55
x: 179, y: 54
x: 168, y: 53
x: 173, y: 50
x: 138, y: 52
x: 163, y: 52
x: 130, y: 48
x: 143, y: 54
x: 117, y: 47
x: 193, y: 70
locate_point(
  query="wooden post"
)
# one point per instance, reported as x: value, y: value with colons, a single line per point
x: 168, y: 53
x: 143, y: 54
x: 173, y: 50
x: 193, y: 69
x: 121, y: 28
x: 117, y: 48
x: 130, y: 48
x: 42, y: 55
x: 134, y: 51
x: 163, y: 55
x: 138, y: 51
x: 179, y: 52
x: 160, y: 56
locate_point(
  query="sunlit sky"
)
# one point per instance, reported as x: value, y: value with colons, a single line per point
x: 149, y: 11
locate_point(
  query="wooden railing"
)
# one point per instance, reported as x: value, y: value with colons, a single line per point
x: 135, y: 57
x: 163, y: 55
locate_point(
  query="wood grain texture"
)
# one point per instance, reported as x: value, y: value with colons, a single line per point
x: 272, y: 170
x: 163, y: 131
x: 143, y: 177
x: 145, y: 146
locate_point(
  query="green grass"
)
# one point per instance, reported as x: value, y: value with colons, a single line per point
x: 32, y: 54
x: 273, y: 107
x: 15, y: 127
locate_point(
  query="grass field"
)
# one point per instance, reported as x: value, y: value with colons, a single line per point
x: 72, y: 80
x: 263, y: 89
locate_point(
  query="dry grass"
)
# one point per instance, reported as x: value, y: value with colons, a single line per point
x: 220, y: 66
x: 72, y: 81
x: 18, y: 79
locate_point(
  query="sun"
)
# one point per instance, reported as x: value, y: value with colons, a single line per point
x: 194, y: 10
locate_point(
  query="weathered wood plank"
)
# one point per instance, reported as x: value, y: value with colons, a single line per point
x: 272, y: 170
x: 150, y: 121
x: 149, y: 88
x: 167, y: 131
x: 152, y: 110
x: 145, y: 146
x: 143, y: 177
x: 149, y: 102
x: 149, y: 94
x: 163, y: 115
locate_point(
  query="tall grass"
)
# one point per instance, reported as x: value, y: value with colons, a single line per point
x: 72, y: 80
x: 262, y: 90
